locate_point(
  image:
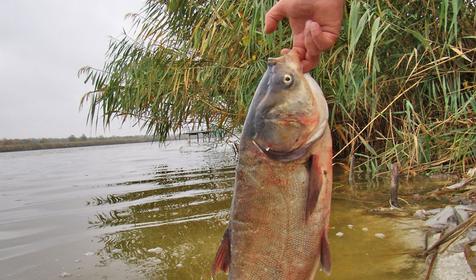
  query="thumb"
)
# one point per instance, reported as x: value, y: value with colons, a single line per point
x: 322, y: 39
x: 273, y: 16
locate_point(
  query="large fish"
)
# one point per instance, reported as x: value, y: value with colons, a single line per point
x: 280, y: 210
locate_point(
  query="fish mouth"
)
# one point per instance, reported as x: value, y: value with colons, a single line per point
x: 290, y: 118
x: 283, y: 121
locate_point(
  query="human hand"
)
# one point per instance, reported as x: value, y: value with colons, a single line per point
x: 315, y: 25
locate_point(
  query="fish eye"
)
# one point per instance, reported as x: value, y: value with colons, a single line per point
x: 287, y: 79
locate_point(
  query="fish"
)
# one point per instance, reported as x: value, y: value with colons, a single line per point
x: 279, y: 218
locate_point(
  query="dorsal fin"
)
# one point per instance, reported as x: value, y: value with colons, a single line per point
x: 223, y: 256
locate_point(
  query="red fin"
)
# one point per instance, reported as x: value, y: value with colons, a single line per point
x: 325, y: 254
x: 222, y: 258
x: 315, y: 184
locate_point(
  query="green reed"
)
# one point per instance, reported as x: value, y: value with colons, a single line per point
x: 400, y: 82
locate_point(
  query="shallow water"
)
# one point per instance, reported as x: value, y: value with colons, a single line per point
x: 143, y: 211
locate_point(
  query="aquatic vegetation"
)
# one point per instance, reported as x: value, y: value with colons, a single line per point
x: 400, y: 82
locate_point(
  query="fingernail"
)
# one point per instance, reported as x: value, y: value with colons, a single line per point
x: 314, y: 26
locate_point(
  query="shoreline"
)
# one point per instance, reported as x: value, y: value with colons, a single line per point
x: 20, y: 145
x: 47, y: 144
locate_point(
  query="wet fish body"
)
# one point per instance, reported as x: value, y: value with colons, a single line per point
x: 281, y: 203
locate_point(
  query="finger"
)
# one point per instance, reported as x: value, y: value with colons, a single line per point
x: 312, y: 51
x: 309, y: 43
x: 273, y: 16
x: 285, y: 51
x: 310, y: 63
x: 298, y: 40
x: 299, y: 52
x: 323, y: 40
x: 307, y: 66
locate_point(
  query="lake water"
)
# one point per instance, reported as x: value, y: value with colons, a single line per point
x: 144, y: 211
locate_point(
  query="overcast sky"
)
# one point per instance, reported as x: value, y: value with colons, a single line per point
x: 43, y: 44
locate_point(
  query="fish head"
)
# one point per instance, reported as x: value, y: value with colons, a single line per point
x: 288, y: 113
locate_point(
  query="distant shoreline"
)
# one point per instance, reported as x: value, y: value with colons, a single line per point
x: 16, y: 145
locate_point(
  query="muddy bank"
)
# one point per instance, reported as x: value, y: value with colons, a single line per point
x: 450, y: 235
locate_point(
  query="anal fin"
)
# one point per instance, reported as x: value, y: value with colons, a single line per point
x: 223, y: 255
x: 315, y: 185
x: 325, y: 254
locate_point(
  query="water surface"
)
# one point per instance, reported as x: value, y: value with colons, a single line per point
x: 144, y: 211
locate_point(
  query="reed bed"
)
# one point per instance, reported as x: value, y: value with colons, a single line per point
x: 400, y: 82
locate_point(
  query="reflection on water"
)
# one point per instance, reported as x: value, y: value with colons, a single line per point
x: 171, y: 196
x: 141, y: 211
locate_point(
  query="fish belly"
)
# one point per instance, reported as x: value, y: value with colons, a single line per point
x: 270, y: 238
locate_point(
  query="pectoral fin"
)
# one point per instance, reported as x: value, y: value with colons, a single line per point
x: 223, y: 256
x: 325, y: 254
x: 315, y: 185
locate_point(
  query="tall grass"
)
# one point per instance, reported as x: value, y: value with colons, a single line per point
x: 400, y: 82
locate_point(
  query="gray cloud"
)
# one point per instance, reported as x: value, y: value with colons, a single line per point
x: 43, y: 44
